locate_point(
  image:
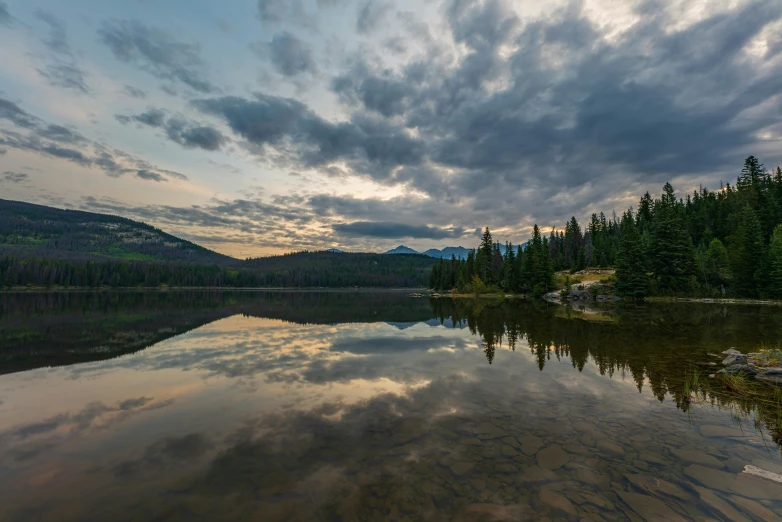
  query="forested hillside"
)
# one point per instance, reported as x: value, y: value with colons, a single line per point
x: 330, y: 269
x: 709, y: 243
x: 28, y: 230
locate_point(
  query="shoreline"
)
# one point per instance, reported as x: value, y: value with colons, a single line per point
x: 43, y: 289
x: 414, y: 292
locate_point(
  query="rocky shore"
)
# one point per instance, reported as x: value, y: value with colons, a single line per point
x: 763, y: 366
x: 584, y: 293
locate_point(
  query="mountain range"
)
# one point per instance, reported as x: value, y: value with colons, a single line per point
x: 458, y: 252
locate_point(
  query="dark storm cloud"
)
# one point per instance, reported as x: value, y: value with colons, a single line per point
x: 13, y: 177
x: 371, y: 14
x: 548, y: 117
x: 179, y: 130
x: 156, y: 52
x: 61, y: 134
x: 390, y: 230
x: 375, y: 148
x: 152, y: 117
x: 66, y: 153
x: 194, y: 136
x: 290, y: 56
x: 150, y: 175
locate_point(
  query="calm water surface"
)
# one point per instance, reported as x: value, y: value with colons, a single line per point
x: 374, y: 406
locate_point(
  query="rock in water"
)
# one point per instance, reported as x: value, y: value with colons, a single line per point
x: 732, y: 359
x: 731, y: 351
x: 552, y: 457
x: 762, y: 473
x: 739, y: 368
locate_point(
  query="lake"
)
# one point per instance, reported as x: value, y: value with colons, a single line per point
x: 376, y: 406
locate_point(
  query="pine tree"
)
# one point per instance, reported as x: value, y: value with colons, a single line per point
x: 485, y: 256
x: 672, y: 255
x: 773, y: 279
x: 746, y: 253
x: 631, y: 277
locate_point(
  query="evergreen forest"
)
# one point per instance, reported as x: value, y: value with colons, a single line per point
x: 723, y: 243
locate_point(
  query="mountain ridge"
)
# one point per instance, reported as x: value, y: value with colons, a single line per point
x: 31, y: 230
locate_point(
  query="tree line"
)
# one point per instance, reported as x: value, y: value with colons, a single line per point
x: 302, y: 269
x: 726, y: 242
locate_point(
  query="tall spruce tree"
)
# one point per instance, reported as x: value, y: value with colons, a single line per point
x: 485, y: 256
x: 672, y: 255
x: 773, y: 279
x: 631, y: 277
x: 746, y: 253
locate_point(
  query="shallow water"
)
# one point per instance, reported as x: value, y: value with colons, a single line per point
x: 374, y: 406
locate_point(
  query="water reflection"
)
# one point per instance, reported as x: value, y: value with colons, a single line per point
x: 345, y: 406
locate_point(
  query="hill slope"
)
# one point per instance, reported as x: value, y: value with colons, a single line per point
x: 29, y: 230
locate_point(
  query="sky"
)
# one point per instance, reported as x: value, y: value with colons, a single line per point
x: 258, y: 127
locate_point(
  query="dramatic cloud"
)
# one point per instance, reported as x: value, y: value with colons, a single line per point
x: 369, y: 121
x: 374, y: 148
x: 156, y: 52
x: 396, y: 230
x: 179, y: 130
x: 290, y: 55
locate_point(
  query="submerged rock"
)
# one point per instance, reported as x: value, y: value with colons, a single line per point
x: 720, y: 506
x: 557, y: 501
x: 649, y: 508
x: 552, y: 457
x: 772, y: 375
